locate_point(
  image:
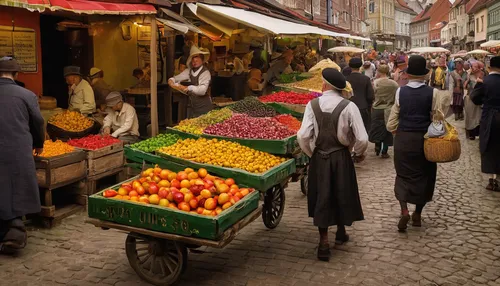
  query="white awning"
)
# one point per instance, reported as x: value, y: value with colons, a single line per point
x: 183, y: 28
x: 491, y: 44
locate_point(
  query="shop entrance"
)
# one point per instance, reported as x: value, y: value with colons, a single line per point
x: 62, y: 46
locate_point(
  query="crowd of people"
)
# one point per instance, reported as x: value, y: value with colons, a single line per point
x: 393, y: 100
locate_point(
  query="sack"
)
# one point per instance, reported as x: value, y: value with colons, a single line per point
x: 436, y: 129
x: 444, y: 148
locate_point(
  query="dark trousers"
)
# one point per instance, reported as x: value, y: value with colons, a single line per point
x: 380, y: 146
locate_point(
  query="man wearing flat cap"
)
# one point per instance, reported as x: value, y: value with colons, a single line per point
x: 121, y: 122
x: 22, y: 129
x: 486, y: 93
x: 331, y: 126
x: 363, y: 91
x: 81, y: 95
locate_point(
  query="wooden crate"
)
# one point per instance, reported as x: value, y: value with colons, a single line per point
x: 105, y: 159
x: 55, y: 172
x: 90, y: 184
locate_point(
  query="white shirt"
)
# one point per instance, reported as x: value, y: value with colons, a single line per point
x: 124, y: 122
x: 350, y: 130
x: 370, y: 72
x: 440, y: 100
x: 203, y: 81
x: 81, y: 98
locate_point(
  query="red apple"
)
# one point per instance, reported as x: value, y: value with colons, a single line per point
x: 201, y: 202
x: 163, y: 192
x: 175, y: 184
x: 153, y: 188
x: 182, y: 176
x: 178, y: 197
x: 170, y: 196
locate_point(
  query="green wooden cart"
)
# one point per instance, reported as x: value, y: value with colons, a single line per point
x: 159, y: 238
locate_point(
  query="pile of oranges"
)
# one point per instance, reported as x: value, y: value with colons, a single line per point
x: 55, y: 148
x: 71, y: 121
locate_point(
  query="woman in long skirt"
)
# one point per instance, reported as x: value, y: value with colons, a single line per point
x: 385, y: 92
x: 472, y: 111
x: 409, y: 120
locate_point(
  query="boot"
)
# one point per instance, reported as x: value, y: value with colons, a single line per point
x: 416, y: 219
x: 456, y: 116
x: 462, y: 117
x: 341, y: 238
x: 493, y: 185
x: 403, y: 222
x: 324, y: 252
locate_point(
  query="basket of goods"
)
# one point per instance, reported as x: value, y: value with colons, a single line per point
x: 71, y: 124
x: 441, y: 144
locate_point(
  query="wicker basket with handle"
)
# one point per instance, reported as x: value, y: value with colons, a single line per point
x: 443, y: 149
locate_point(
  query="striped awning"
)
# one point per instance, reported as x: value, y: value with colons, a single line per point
x: 82, y: 7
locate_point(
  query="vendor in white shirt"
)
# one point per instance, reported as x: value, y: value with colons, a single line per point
x: 199, y: 77
x: 81, y: 94
x: 121, y: 121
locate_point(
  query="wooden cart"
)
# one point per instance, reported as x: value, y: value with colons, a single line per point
x: 56, y: 172
x: 161, y: 258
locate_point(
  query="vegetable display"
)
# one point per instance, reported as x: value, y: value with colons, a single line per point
x: 288, y: 97
x: 223, y: 153
x: 291, y: 122
x: 196, y: 125
x: 253, y: 107
x: 155, y: 143
x: 71, y: 121
x: 93, y: 142
x: 288, y: 77
x: 55, y: 148
x: 192, y: 191
x: 244, y: 126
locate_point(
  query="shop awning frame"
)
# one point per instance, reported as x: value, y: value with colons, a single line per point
x: 181, y: 24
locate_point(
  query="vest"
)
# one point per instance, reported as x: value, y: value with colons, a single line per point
x: 199, y: 104
x: 415, y: 108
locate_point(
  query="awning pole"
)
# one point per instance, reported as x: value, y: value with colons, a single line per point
x: 154, y: 74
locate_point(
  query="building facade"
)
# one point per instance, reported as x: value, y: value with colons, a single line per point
x: 439, y: 17
x: 403, y: 15
x: 382, y: 25
x: 458, y: 26
x: 419, y: 28
x: 493, y: 32
x: 481, y: 26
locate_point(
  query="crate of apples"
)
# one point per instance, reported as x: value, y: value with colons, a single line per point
x: 189, y: 190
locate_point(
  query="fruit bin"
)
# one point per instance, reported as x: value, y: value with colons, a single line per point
x: 278, y: 147
x: 295, y: 110
x: 105, y: 159
x: 167, y: 220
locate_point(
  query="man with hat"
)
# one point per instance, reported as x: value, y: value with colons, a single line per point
x: 409, y: 119
x: 369, y: 69
x: 22, y: 129
x: 282, y: 64
x: 199, y: 77
x: 363, y: 90
x: 100, y: 87
x: 331, y: 125
x: 121, y: 122
x: 439, y: 74
x: 458, y: 77
x: 81, y: 95
x: 486, y: 93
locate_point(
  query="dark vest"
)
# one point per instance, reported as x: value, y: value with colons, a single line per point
x: 415, y: 108
x: 199, y: 105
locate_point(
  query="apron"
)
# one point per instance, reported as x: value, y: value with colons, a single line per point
x: 198, y: 105
x: 333, y: 197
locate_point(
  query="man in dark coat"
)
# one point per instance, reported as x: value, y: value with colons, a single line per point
x: 486, y: 94
x: 331, y: 124
x: 22, y: 129
x: 362, y: 89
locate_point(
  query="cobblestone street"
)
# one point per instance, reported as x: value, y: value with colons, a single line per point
x: 459, y: 243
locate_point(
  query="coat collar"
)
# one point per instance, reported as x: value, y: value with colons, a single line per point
x: 4, y: 80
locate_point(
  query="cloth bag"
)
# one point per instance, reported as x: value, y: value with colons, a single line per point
x: 441, y: 143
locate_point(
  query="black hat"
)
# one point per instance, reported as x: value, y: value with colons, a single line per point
x: 71, y: 70
x: 334, y: 78
x: 9, y: 64
x: 355, y: 63
x: 495, y: 62
x: 417, y: 66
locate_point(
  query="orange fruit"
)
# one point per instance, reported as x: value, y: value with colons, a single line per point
x: 188, y: 170
x: 185, y: 184
x: 202, y: 173
x: 134, y: 198
x: 193, y: 175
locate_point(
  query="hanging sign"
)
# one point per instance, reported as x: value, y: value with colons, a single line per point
x: 19, y: 43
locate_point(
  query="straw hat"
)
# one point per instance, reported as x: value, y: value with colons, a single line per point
x: 197, y: 51
x: 94, y: 71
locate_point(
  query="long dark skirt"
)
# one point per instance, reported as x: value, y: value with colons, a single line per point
x: 333, y: 197
x: 416, y: 177
x: 490, y: 159
x: 366, y: 116
x: 378, y: 131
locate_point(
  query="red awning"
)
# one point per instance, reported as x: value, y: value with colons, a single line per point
x: 83, y: 6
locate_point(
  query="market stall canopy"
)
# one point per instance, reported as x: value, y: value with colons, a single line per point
x: 346, y: 50
x: 461, y: 53
x: 423, y: 50
x: 183, y: 25
x: 479, y: 52
x: 82, y: 7
x: 491, y: 44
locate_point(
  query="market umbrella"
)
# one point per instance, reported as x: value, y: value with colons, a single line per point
x: 491, y: 44
x: 479, y: 52
x: 423, y: 50
x: 346, y: 50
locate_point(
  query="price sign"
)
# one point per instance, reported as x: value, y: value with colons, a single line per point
x: 19, y: 43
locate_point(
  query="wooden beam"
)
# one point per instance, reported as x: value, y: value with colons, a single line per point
x: 170, y: 73
x: 154, y: 76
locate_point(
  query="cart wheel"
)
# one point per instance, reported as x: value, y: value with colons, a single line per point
x: 304, y: 184
x: 274, y: 206
x: 157, y: 261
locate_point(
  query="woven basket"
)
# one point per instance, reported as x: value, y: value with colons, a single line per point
x: 441, y: 151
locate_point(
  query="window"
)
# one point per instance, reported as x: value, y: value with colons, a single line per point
x: 371, y: 7
x: 482, y: 23
x: 336, y: 18
x: 477, y: 25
